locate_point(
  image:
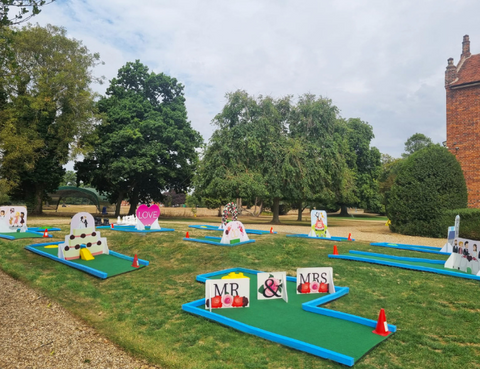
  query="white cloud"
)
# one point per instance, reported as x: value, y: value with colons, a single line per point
x: 378, y: 60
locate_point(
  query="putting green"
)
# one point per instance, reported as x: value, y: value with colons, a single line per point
x: 18, y: 235
x: 290, y: 320
x: 109, y: 264
x: 404, y: 264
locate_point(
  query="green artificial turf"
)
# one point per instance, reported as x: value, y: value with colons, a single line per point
x: 436, y: 316
x: 19, y: 235
x: 290, y: 320
x: 109, y: 264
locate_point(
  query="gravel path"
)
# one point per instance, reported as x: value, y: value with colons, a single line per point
x: 38, y: 333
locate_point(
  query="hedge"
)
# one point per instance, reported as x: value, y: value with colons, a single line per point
x: 429, y: 182
x: 469, y: 222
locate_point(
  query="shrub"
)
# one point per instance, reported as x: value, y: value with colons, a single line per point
x: 469, y: 222
x: 429, y: 182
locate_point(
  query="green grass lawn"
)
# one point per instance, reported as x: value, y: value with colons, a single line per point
x: 437, y: 317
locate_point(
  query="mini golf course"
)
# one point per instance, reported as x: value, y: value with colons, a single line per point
x: 420, y: 264
x: 300, y: 323
x: 337, y: 239
x: 19, y: 235
x: 103, y: 266
x: 215, y: 228
x: 211, y: 240
x: 131, y: 228
x: 403, y: 246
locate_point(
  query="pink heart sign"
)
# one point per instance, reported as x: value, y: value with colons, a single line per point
x: 148, y: 215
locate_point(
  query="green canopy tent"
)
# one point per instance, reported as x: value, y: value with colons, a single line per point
x: 71, y: 191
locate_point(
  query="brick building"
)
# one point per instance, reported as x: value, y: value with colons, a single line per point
x: 462, y: 84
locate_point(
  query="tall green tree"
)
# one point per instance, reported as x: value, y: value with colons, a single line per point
x: 144, y: 145
x: 23, y: 10
x: 390, y: 168
x: 315, y: 124
x: 46, y: 106
x: 415, y: 143
x: 365, y: 168
x: 267, y: 148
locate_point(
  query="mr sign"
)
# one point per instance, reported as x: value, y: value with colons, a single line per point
x: 227, y: 293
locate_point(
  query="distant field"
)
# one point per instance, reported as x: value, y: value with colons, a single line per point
x: 167, y: 212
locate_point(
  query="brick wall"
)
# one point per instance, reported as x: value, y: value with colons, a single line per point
x: 463, y: 135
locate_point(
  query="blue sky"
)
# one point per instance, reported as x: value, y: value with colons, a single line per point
x: 381, y: 61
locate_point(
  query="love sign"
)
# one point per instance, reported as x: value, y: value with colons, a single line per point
x: 148, y: 215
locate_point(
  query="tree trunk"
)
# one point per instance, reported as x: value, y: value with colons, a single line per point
x: 276, y: 210
x: 133, y: 202
x: 118, y: 205
x: 344, y: 211
x: 219, y: 211
x: 260, y: 209
x: 239, y: 205
x: 38, y: 201
x: 300, y: 211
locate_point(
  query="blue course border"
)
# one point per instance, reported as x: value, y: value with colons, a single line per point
x: 419, y: 248
x: 133, y: 230
x: 83, y: 268
x: 337, y: 239
x: 7, y: 237
x: 399, y: 258
x: 451, y: 273
x: 207, y: 227
x: 311, y: 306
x: 123, y: 228
x: 42, y: 229
x: 217, y: 243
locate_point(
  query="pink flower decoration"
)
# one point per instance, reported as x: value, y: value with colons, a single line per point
x: 227, y: 300
x: 314, y: 286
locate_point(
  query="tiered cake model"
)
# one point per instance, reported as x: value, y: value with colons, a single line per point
x: 82, y: 236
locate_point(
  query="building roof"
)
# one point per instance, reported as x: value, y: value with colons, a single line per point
x: 469, y: 71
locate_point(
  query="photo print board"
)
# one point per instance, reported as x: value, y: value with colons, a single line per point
x: 465, y: 256
x: 319, y: 226
x: 315, y: 280
x: 227, y: 293
x: 13, y: 219
x: 272, y: 286
x: 234, y: 232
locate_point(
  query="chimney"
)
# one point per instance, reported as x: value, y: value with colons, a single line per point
x: 465, y: 47
x: 450, y: 73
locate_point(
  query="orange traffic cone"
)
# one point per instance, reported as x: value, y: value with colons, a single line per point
x: 187, y: 235
x: 349, y: 237
x: 335, y: 251
x: 382, y: 326
x: 111, y: 225
x: 45, y: 233
x: 271, y: 229
x: 135, y: 262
